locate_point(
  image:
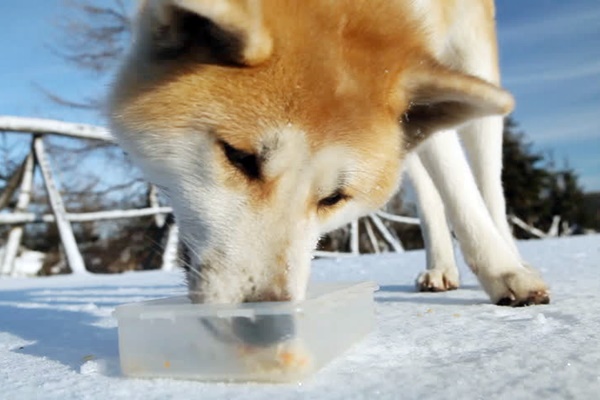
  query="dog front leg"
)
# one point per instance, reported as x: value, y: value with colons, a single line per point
x: 441, y: 273
x: 482, y: 140
x: 499, y: 270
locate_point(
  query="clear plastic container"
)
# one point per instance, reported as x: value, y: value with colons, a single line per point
x: 271, y: 341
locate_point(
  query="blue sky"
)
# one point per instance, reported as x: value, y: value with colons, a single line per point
x: 550, y: 57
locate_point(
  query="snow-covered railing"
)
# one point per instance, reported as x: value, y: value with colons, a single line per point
x: 370, y: 221
x: 22, y: 180
x: 37, y: 158
x: 49, y: 126
x: 553, y: 231
x: 378, y: 233
x: 28, y: 218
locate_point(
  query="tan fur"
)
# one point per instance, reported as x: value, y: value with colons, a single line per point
x: 370, y: 77
x: 297, y: 87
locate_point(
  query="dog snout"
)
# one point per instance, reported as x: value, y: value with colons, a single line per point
x: 265, y: 330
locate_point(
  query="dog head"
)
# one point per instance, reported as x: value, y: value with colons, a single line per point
x: 269, y: 123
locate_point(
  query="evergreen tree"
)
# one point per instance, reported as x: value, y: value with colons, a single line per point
x: 523, y: 176
x: 566, y: 198
x: 535, y: 190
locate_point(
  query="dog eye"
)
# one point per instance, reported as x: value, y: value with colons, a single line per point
x: 245, y: 162
x: 333, y: 199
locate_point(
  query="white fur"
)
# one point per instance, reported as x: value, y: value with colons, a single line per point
x: 471, y: 199
x: 490, y: 255
x: 441, y: 273
x: 237, y: 251
x: 475, y: 207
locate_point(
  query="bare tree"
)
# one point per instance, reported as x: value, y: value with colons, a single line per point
x: 93, y: 175
x: 93, y: 37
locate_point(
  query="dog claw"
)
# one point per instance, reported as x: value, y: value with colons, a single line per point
x: 534, y: 298
x: 505, y: 301
x: 437, y: 281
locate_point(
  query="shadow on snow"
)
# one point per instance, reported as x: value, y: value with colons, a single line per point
x: 67, y: 331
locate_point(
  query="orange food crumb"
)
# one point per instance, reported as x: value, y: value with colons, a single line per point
x: 167, y: 364
x: 245, y: 351
x: 288, y: 359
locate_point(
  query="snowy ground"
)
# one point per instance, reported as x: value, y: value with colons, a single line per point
x: 59, y: 341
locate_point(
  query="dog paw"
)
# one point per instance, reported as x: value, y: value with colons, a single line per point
x: 437, y: 280
x: 517, y: 289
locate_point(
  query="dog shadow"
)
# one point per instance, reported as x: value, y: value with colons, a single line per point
x: 409, y: 294
x: 59, y: 324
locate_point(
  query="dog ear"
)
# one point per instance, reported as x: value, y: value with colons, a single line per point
x: 211, y: 31
x: 440, y: 98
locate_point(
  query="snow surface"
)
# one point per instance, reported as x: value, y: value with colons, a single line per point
x: 58, y: 339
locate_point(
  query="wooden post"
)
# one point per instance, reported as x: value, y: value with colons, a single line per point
x: 16, y: 233
x: 67, y: 237
x: 354, y: 238
x: 12, y: 185
x: 371, y: 235
x: 394, y: 244
x: 553, y: 231
x: 159, y: 219
x: 169, y: 257
x: 531, y: 229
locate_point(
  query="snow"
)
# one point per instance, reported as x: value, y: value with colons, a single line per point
x: 28, y: 263
x: 58, y: 339
x: 11, y: 123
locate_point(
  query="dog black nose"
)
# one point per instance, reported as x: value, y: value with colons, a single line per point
x: 265, y: 330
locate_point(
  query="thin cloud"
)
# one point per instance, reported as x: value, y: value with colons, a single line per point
x: 548, y: 26
x: 570, y: 126
x: 590, y: 182
x: 590, y: 163
x: 563, y: 74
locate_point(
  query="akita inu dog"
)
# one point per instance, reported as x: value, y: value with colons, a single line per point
x: 268, y: 123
